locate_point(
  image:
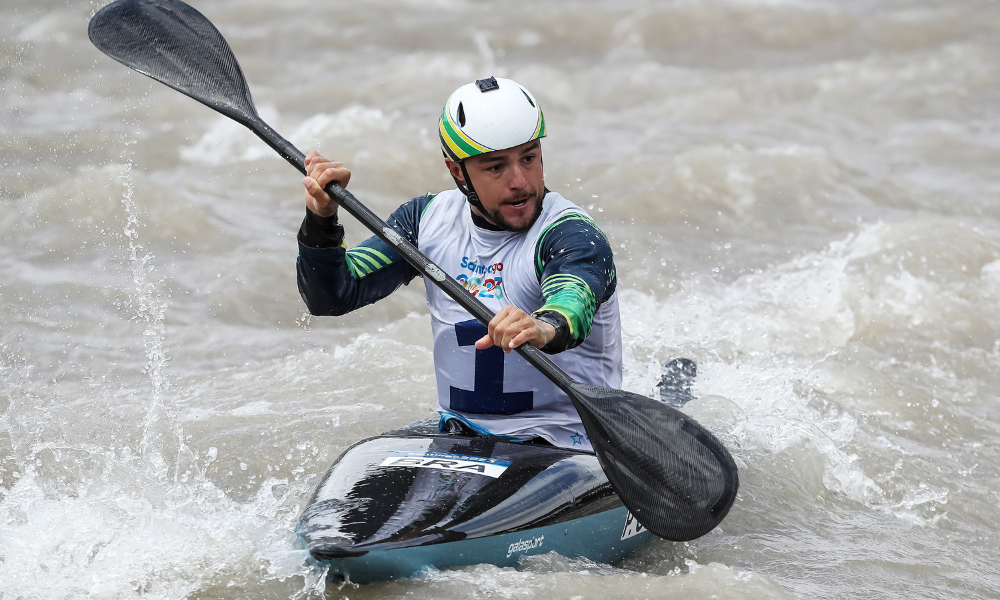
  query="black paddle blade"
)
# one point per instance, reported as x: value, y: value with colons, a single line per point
x: 175, y: 45
x: 680, y: 482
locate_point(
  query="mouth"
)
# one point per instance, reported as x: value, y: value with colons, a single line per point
x: 518, y: 202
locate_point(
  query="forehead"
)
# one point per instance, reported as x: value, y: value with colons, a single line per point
x: 506, y: 155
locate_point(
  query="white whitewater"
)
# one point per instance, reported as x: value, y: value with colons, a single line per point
x: 803, y: 196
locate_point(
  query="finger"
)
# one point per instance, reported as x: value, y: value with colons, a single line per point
x: 484, y: 343
x: 312, y: 158
x: 504, y: 331
x: 330, y: 173
x: 337, y: 173
x: 528, y: 335
x: 318, y: 167
x: 316, y: 164
x: 314, y: 189
x: 316, y: 198
x: 512, y: 333
x: 499, y: 317
x: 523, y: 331
x: 516, y: 322
x: 491, y: 327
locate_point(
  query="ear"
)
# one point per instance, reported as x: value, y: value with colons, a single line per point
x: 455, y: 169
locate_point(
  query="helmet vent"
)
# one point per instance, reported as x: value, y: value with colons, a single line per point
x: 461, y: 114
x: 528, y: 97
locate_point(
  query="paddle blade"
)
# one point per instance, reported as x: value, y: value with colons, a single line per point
x: 674, y: 476
x: 175, y: 45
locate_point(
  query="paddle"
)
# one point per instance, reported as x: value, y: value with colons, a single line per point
x: 674, y: 476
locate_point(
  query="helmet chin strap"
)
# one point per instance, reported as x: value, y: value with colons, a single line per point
x: 470, y: 192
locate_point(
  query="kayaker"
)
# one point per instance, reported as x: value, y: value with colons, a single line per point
x: 532, y: 256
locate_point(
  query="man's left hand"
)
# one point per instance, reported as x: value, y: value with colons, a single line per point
x: 512, y: 327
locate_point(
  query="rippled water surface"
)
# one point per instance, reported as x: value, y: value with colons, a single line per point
x: 803, y: 196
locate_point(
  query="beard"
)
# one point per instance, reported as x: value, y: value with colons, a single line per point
x: 518, y: 227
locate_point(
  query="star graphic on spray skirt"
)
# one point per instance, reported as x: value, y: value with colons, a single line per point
x: 577, y: 439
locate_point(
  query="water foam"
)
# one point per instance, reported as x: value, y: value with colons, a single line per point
x: 768, y: 346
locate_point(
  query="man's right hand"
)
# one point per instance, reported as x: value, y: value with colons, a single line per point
x: 320, y: 172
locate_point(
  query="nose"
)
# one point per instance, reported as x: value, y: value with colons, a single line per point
x: 517, y: 180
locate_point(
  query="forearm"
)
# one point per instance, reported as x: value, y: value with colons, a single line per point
x: 333, y: 280
x: 328, y: 288
x: 576, y: 271
x: 570, y: 305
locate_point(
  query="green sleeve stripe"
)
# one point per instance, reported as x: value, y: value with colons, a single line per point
x: 381, y: 260
x: 370, y: 264
x: 571, y: 297
x: 359, y: 264
x: 426, y: 206
x: 356, y: 273
x: 572, y: 305
x: 554, y: 283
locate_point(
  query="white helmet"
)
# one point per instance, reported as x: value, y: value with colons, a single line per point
x: 488, y: 115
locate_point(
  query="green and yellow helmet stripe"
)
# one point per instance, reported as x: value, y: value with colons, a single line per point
x: 456, y: 144
x: 540, y: 130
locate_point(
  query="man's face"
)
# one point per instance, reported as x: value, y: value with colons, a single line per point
x: 510, y: 184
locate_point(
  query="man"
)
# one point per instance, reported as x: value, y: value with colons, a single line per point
x: 533, y: 257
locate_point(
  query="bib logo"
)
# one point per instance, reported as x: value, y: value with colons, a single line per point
x: 523, y: 545
x: 489, y: 285
x: 481, y: 269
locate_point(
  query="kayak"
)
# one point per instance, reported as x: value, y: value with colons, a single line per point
x: 396, y: 504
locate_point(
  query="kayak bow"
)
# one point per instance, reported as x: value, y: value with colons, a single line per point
x: 396, y: 504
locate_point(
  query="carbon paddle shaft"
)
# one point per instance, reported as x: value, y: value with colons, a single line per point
x: 675, y: 477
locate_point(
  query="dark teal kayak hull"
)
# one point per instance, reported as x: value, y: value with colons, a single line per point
x: 597, y: 537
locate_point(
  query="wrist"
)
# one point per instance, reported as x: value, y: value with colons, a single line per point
x: 323, y: 212
x: 560, y: 330
x: 320, y: 232
x: 547, y: 330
